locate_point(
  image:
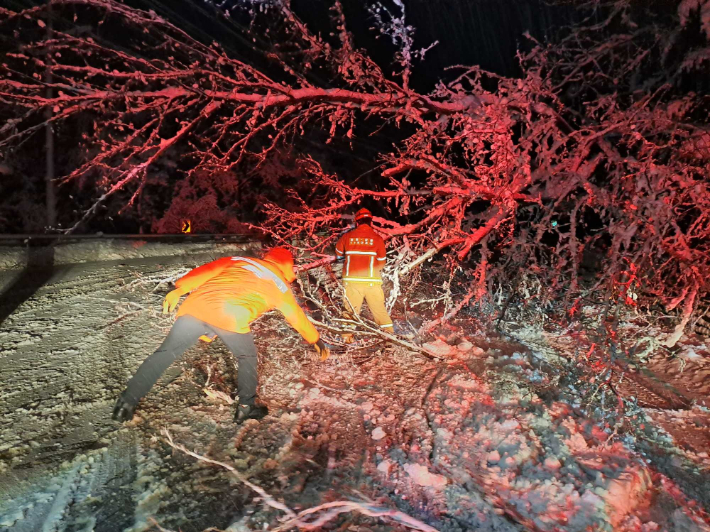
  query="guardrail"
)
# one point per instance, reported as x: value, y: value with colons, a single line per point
x: 43, y: 251
x: 103, y: 236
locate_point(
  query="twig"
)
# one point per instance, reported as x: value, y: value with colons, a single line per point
x: 159, y: 279
x: 161, y: 529
x: 339, y: 507
x: 373, y: 331
x: 424, y: 301
x: 601, y: 383
x: 123, y: 317
x: 431, y: 386
x: 453, y: 312
x: 300, y: 520
x: 513, y: 288
x: 321, y: 385
x: 423, y: 258
x: 315, y: 264
x: 268, y: 499
x: 357, y: 320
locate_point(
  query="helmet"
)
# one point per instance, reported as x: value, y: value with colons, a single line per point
x: 363, y: 214
x: 283, y: 260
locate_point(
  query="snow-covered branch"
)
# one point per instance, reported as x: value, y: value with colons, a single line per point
x: 585, y: 153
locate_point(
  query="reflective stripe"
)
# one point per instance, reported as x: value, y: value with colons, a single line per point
x: 338, y: 252
x: 387, y: 326
x: 347, y: 266
x: 383, y: 258
x: 262, y: 272
x: 361, y: 252
x: 362, y: 280
x: 372, y: 259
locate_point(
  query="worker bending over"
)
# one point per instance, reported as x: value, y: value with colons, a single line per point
x: 226, y: 295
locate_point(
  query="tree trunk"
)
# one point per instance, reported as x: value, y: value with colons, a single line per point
x: 51, y: 208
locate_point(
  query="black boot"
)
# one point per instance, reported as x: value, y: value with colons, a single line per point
x: 124, y: 408
x: 245, y: 412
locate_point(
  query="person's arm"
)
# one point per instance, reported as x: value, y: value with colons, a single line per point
x: 340, y: 248
x: 381, y: 258
x: 194, y: 279
x: 297, y: 318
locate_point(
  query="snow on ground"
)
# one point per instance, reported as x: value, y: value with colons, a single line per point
x: 492, y: 439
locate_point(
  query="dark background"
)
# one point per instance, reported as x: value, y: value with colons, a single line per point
x: 488, y: 33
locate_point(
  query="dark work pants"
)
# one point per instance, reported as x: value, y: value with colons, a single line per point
x: 184, y: 334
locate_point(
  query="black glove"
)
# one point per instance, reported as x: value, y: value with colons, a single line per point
x: 322, y: 350
x: 124, y: 408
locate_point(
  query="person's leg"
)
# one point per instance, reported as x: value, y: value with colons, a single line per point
x: 352, y: 301
x: 375, y: 297
x: 243, y: 348
x: 244, y: 351
x: 183, y: 334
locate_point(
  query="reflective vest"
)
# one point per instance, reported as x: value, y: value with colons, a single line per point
x: 364, y: 254
x: 232, y: 292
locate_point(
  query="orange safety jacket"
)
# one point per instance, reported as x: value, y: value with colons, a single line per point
x: 232, y: 292
x: 364, y: 253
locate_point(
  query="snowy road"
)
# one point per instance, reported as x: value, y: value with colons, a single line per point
x: 484, y: 441
x: 65, y: 354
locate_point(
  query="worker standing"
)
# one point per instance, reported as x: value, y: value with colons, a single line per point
x: 226, y: 296
x: 363, y: 251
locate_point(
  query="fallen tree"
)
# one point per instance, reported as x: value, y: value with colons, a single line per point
x: 598, y: 148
